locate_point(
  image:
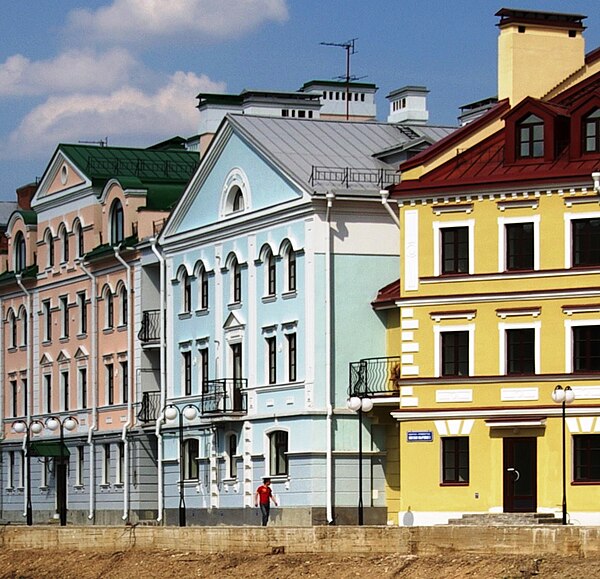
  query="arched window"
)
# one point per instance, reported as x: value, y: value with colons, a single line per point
x: 24, y: 325
x: 117, y: 227
x: 271, y: 278
x: 78, y: 231
x: 12, y: 320
x: 123, y: 310
x: 186, y: 291
x: 64, y: 240
x: 591, y: 132
x: 530, y: 135
x: 20, y: 253
x: 236, y: 281
x: 237, y: 200
x: 202, y: 277
x: 109, y: 314
x: 49, y: 241
x: 278, y: 453
x: 289, y: 266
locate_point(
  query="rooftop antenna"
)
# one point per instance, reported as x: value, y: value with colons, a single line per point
x: 101, y: 142
x: 349, y: 48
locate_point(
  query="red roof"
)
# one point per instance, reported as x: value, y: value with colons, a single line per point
x: 387, y: 296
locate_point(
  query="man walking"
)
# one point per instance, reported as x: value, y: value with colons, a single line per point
x: 263, y: 498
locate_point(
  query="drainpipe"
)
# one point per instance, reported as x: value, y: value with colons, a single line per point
x: 330, y: 196
x: 94, y: 426
x: 384, y: 201
x: 129, y: 422
x: 163, y: 377
x: 18, y: 277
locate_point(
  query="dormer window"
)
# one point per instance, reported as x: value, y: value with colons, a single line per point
x: 117, y: 228
x: 530, y: 136
x: 591, y: 132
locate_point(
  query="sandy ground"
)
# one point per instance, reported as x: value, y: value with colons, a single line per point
x: 140, y: 564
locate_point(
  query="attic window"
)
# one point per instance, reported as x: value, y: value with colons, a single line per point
x: 521, y: 29
x: 591, y: 132
x: 572, y: 33
x: 530, y: 136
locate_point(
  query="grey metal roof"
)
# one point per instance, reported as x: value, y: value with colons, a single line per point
x: 300, y: 145
x: 7, y: 208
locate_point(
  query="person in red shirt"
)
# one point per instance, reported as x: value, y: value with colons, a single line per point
x: 263, y: 498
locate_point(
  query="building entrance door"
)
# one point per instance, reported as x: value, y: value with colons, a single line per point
x: 520, y: 475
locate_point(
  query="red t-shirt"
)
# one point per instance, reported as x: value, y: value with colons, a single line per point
x: 264, y: 494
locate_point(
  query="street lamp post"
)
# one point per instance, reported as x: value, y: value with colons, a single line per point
x: 29, y: 429
x: 68, y: 423
x: 189, y: 412
x: 563, y: 396
x: 360, y: 405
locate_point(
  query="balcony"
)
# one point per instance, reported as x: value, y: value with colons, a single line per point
x: 150, y: 330
x: 375, y: 377
x: 224, y: 396
x: 150, y: 407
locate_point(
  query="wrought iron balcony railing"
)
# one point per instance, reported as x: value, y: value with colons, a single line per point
x: 375, y: 377
x: 150, y: 329
x: 150, y: 407
x: 224, y: 396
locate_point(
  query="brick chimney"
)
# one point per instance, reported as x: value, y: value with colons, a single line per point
x: 536, y: 51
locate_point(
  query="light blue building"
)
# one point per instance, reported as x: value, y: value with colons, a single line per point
x: 270, y: 262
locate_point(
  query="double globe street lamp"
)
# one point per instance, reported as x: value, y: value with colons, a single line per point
x: 189, y: 412
x: 360, y: 405
x: 563, y: 396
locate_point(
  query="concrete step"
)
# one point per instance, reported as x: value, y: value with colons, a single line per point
x: 507, y: 519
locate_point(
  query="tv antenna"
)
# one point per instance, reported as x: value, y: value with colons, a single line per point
x: 101, y: 142
x: 350, y: 50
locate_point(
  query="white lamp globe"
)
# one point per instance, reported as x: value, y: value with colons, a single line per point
x: 37, y: 427
x: 569, y: 395
x: 367, y: 405
x: 190, y: 413
x: 354, y: 403
x: 52, y: 423
x: 171, y: 413
x: 558, y: 394
x: 19, y: 427
x: 70, y: 424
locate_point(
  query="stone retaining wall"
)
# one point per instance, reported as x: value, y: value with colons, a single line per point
x: 577, y: 541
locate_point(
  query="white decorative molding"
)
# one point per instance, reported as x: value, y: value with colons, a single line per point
x: 508, y: 312
x: 586, y: 392
x: 407, y: 336
x: 570, y: 201
x: 463, y: 315
x: 411, y: 250
x: 406, y: 390
x: 407, y: 359
x: 410, y: 370
x: 464, y: 395
x: 410, y: 324
x: 519, y: 204
x: 459, y: 208
x: 409, y: 402
x: 519, y: 394
x: 408, y: 347
x: 407, y: 312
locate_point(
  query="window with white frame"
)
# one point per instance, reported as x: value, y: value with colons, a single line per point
x: 124, y: 307
x: 14, y: 398
x: 453, y: 248
x: 518, y: 243
x: 291, y: 270
x: 22, y: 473
x: 230, y: 457
x: 83, y: 387
x: 519, y: 348
x: 48, y: 392
x: 105, y: 464
x: 24, y: 326
x: 12, y: 320
x: 47, y: 320
x: 582, y: 239
x: 79, y: 246
x: 204, y: 369
x: 10, y: 475
x: 203, y: 288
x: 186, y: 292
x: 120, y: 470
x: 64, y: 378
x: 79, y: 465
x: 64, y: 241
x: 454, y: 350
x: 109, y: 374
x: 109, y: 311
x: 19, y: 253
x: 270, y: 272
x: 292, y: 354
x: 124, y: 367
x: 63, y: 302
x: 186, y: 375
x: 49, y: 242
x: 24, y: 398
x: 271, y: 359
x: 582, y: 346
x: 278, y: 453
x: 117, y: 224
x: 191, y: 451
x: 83, y: 312
x: 44, y: 472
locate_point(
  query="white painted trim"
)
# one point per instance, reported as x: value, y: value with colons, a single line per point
x: 437, y: 346
x: 569, y: 325
x: 411, y: 250
x: 568, y: 218
x: 503, y: 327
x: 437, y: 243
x: 502, y: 223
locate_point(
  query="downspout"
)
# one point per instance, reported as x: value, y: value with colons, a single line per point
x: 18, y: 277
x: 330, y: 196
x: 384, y: 201
x: 163, y: 378
x: 128, y: 424
x: 94, y: 426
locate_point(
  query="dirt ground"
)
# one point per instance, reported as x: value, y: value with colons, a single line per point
x: 140, y: 564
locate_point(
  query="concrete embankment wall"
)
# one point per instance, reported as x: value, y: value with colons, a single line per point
x: 574, y: 541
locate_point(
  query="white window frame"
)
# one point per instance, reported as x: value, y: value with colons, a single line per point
x: 120, y: 466
x: 65, y: 394
x: 63, y: 303
x: 10, y: 475
x: 47, y: 315
x: 81, y: 370
x: 106, y: 460
x: 22, y: 466
x: 230, y: 458
x: 568, y: 218
x: 502, y: 223
x: 81, y: 301
x: 569, y: 325
x: 268, y: 453
x: 44, y: 473
x: 437, y: 346
x: 502, y: 329
x: 79, y: 465
x: 437, y: 243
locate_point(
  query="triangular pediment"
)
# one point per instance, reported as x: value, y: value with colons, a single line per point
x: 81, y: 353
x: 233, y: 322
x: 63, y: 356
x: 46, y: 360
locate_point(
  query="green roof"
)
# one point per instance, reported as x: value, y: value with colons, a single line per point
x: 11, y: 276
x: 29, y: 216
x: 108, y: 249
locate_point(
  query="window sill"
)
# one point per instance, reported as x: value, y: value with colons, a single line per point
x: 234, y: 305
x: 118, y: 485
x: 454, y: 484
x: 121, y: 328
x: 20, y: 489
x: 81, y: 335
x: 289, y: 295
x: 12, y: 350
x: 584, y: 483
x: 108, y: 330
x: 44, y: 488
x: 269, y: 299
x: 63, y: 339
x: 184, y: 315
x: 104, y: 485
x: 202, y: 312
x: 78, y: 487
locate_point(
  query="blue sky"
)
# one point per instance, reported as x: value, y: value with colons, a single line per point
x: 129, y: 70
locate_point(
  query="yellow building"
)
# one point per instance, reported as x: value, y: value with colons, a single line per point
x: 498, y: 302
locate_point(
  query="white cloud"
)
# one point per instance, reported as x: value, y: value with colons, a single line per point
x: 71, y: 71
x: 127, y: 21
x: 128, y: 116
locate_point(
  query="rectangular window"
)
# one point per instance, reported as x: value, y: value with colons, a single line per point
x: 520, y: 351
x: 106, y: 465
x: 24, y: 385
x: 236, y: 359
x: 124, y: 382
x: 271, y: 277
x: 586, y: 242
x: 586, y: 456
x: 272, y: 359
x: 291, y: 357
x: 237, y: 283
x: 64, y: 378
x: 190, y: 459
x: 291, y: 277
x: 586, y: 349
x: 15, y: 396
x: 83, y: 387
x: 43, y: 472
x: 278, y: 453
x: 22, y: 473
x: 64, y: 316
x: 110, y: 384
x: 519, y: 246
x: 48, y: 391
x: 120, y: 463
x: 455, y: 250
x: 204, y: 369
x: 204, y: 290
x: 83, y: 318
x: 531, y: 137
x: 187, y: 373
x: 231, y: 452
x: 455, y: 353
x: 47, y: 315
x: 455, y: 460
x: 80, y: 465
x: 10, y: 479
